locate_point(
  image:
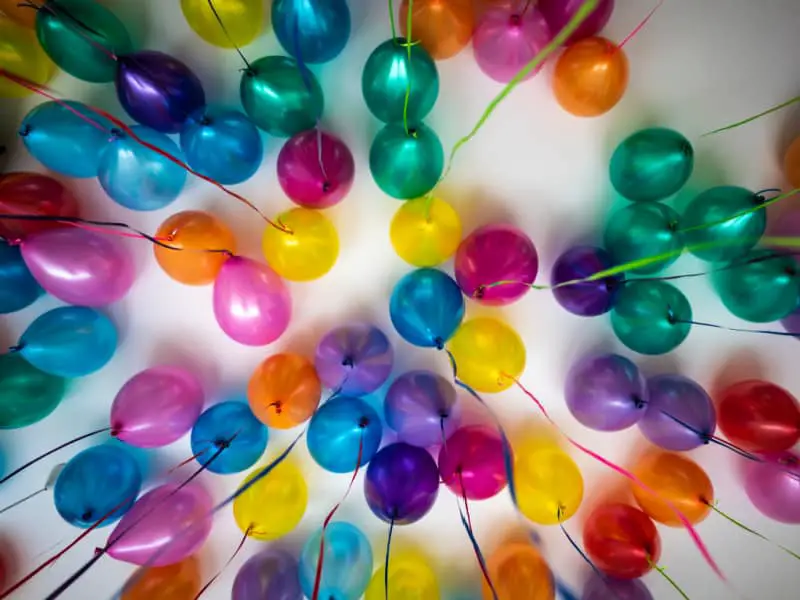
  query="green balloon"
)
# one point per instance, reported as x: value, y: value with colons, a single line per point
x: 711, y: 229
x: 82, y: 37
x: 27, y: 395
x: 385, y: 82
x: 651, y: 164
x: 406, y: 165
x: 643, y: 231
x: 650, y: 317
x: 279, y: 97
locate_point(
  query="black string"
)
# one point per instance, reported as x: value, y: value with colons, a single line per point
x: 735, y: 329
x: 228, y: 35
x: 386, y: 563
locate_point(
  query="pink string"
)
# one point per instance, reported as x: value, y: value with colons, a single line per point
x: 640, y: 25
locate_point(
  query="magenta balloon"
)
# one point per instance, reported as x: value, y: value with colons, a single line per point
x: 78, y: 266
x: 774, y: 486
x: 166, y: 525
x: 315, y: 169
x: 156, y: 407
x: 558, y: 12
x: 251, y: 302
x: 496, y: 253
x: 473, y: 456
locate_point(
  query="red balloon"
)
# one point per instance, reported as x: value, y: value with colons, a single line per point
x: 32, y: 194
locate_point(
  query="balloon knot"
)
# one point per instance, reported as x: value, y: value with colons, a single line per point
x: 326, y: 187
x: 98, y: 551
x: 222, y: 444
x: 439, y: 343
x: 479, y: 292
x: 363, y: 422
x: 672, y: 226
x: 638, y: 402
x: 116, y: 134
x: 515, y: 20
x: 86, y: 516
x: 347, y: 361
x: 13, y: 349
x: 24, y: 131
x: 205, y: 120
x: 671, y: 318
x: 115, y: 430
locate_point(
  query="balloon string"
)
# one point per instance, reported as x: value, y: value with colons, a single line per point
x: 409, y: 38
x: 713, y: 506
x: 760, y: 204
x: 560, y: 517
x: 23, y: 500
x: 525, y: 8
x: 386, y: 562
x: 663, y: 572
x: 640, y: 26
x: 467, y: 523
x: 228, y: 562
x: 391, y: 20
x: 780, y: 106
x: 707, y: 438
x: 228, y: 35
x: 183, y: 463
x: 54, y: 9
x: 735, y: 329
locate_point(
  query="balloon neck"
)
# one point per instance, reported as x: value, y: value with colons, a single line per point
x: 348, y: 362
x: 672, y: 227
x: 515, y: 20
x: 115, y: 430
x: 87, y: 516
x: 671, y: 318
x: 24, y: 131
x: 277, y: 406
x: 205, y: 121
x: 222, y: 444
x: 363, y: 422
x: 638, y: 402
x: 14, y: 349
x: 439, y: 343
x: 116, y: 134
x: 480, y: 292
x: 326, y: 187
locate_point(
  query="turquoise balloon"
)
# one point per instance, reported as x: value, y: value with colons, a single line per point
x: 227, y: 438
x: 644, y: 230
x: 651, y: 317
x: 385, y: 82
x: 711, y: 228
x: 651, y: 164
x: 315, y: 31
x: 18, y: 288
x: 27, y: 395
x: 406, y: 165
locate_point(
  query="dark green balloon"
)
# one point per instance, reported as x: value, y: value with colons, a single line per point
x: 27, y: 395
x: 651, y: 164
x: 406, y: 165
x: 643, y: 231
x: 280, y: 98
x: 74, y: 34
x: 711, y: 229
x: 649, y: 316
x: 386, y: 78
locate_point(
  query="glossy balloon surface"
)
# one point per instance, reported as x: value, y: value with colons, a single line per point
x: 598, y: 588
x: 355, y: 359
x: 644, y: 231
x: 314, y: 30
x: 410, y: 576
x: 791, y: 163
x: 587, y: 298
x: 774, y: 486
x: 344, y: 433
x: 557, y: 13
x: 178, y: 581
x: 244, y: 21
x: 271, y: 574
x: 517, y: 571
x: 284, y: 390
x: 22, y: 55
x: 679, y: 414
x: 227, y: 438
x: 406, y: 165
x: 27, y: 395
x: 284, y: 490
x: 307, y: 251
x: 472, y: 463
x: 32, y: 194
x: 18, y: 288
x: 442, y: 27
x: 425, y: 232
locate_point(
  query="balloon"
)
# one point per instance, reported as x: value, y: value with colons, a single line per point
x: 227, y: 438
x: 354, y: 359
x: 598, y: 588
x: 99, y: 483
x: 191, y: 232
x: 517, y: 571
x: 651, y: 317
x: 32, y: 194
x: 644, y: 231
x: 590, y: 77
x: 402, y: 483
x: 346, y: 562
x: 222, y: 144
x: 27, y: 395
x: 21, y: 55
x: 280, y: 96
x: 165, y: 526
x: 70, y: 341
x: 307, y: 251
x: 588, y: 298
x: 269, y: 575
x: 426, y: 308
x: 18, y: 288
x: 558, y: 13
x: 79, y: 266
x: 251, y: 303
x: 314, y: 31
x: 243, y: 19
x: 137, y: 177
x: 791, y: 322
x: 472, y: 463
x: 410, y: 576
x: 344, y: 433
x: 179, y: 581
x: 489, y: 354
x: 425, y: 232
x: 284, y: 391
x: 19, y: 13
x: 316, y: 169
x: 759, y: 416
x: 791, y: 163
x: 284, y: 491
x: 774, y: 486
x: 652, y: 164
x: 406, y: 165
x: 156, y: 407
x: 443, y: 28
x: 679, y: 414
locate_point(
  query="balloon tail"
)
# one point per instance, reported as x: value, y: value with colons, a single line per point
x: 23, y: 500
x: 733, y: 448
x: 640, y: 26
x: 663, y: 572
x: 408, y: 68
x: 781, y: 106
x: 673, y: 319
x: 227, y: 563
x: 386, y: 561
x: 391, y: 20
x: 467, y: 524
x: 707, y: 438
x: 228, y: 35
x: 713, y: 506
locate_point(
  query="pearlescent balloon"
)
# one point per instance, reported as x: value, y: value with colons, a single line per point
x: 346, y: 562
x: 354, y: 359
x: 315, y: 31
x: 644, y: 231
x: 406, y: 165
x: 587, y: 298
x: 18, y: 288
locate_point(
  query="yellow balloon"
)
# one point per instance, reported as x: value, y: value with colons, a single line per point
x: 243, y: 19
x: 274, y: 505
x: 425, y: 232
x: 410, y: 578
x: 488, y: 354
x: 308, y: 251
x: 21, y: 54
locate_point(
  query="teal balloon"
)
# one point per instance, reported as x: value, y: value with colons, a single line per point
x: 385, y: 82
x: 651, y: 317
x: 315, y: 31
x: 406, y: 165
x: 18, y: 288
x: 82, y: 37
x: 711, y: 228
x: 644, y: 230
x: 280, y: 97
x: 27, y: 395
x: 227, y: 438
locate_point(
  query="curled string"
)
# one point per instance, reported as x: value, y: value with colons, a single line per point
x: 640, y: 26
x: 780, y: 106
x: 663, y: 572
x: 228, y: 35
x: 467, y: 523
x: 713, y: 506
x: 386, y: 561
x: 211, y: 581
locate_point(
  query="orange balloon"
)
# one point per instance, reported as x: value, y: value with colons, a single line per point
x: 676, y: 479
x: 180, y: 581
x: 443, y: 27
x: 591, y: 76
x: 22, y: 15
x: 284, y: 391
x: 791, y: 163
x: 518, y: 572
x: 193, y: 231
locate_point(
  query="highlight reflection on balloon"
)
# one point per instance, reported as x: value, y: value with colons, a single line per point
x: 284, y: 490
x: 517, y: 571
x: 425, y: 232
x: 284, y: 390
x: 244, y: 20
x: 588, y: 298
x: 307, y: 251
x: 679, y: 415
x: 178, y: 581
x: 442, y: 27
x: 406, y: 165
x: 317, y: 31
x: 644, y: 231
x: 21, y: 55
x: 27, y: 394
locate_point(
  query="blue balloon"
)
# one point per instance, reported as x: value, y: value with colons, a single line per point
x: 18, y: 288
x: 228, y: 438
x: 71, y: 341
x: 346, y: 563
x: 136, y: 176
x: 426, y: 308
x: 338, y: 429
x: 98, y: 483
x: 312, y: 31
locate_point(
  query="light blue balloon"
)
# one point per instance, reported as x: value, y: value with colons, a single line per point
x: 338, y: 429
x: 228, y: 438
x: 18, y: 288
x: 136, y: 176
x: 346, y: 564
x: 71, y: 341
x: 312, y: 31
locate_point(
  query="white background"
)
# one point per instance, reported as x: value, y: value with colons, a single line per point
x: 699, y: 64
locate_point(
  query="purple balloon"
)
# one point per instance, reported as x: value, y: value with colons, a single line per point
x: 774, y: 486
x: 608, y: 588
x: 158, y: 90
x: 606, y: 392
x: 401, y: 484
x: 589, y: 298
x: 679, y: 414
x: 354, y: 359
x: 269, y: 575
x: 791, y: 323
x: 315, y: 169
x: 557, y: 13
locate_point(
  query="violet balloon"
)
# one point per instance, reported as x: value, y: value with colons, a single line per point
x: 608, y: 588
x: 472, y: 463
x: 557, y: 13
x: 588, y: 298
x: 773, y: 486
x: 355, y: 359
x: 269, y: 575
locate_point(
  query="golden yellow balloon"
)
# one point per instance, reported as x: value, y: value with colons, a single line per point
x: 274, y: 505
x: 307, y: 251
x: 243, y: 19
x: 21, y: 54
x: 410, y: 578
x: 488, y: 353
x: 425, y: 232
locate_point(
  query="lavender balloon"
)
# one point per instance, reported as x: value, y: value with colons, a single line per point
x: 774, y: 486
x: 557, y: 13
x: 588, y: 298
x: 791, y: 323
x: 679, y: 415
x: 354, y: 359
x: 607, y: 588
x: 269, y: 575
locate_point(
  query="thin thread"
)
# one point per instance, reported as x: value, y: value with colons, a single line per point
x: 409, y: 39
x: 736, y: 329
x: 713, y: 506
x: 669, y: 579
x: 228, y: 35
x: 386, y: 562
x: 467, y: 523
x: 560, y: 518
x: 760, y: 203
x: 780, y: 106
x: 391, y: 20
x: 55, y: 9
x: 211, y: 581
x: 23, y: 500
x: 639, y: 27
x: 183, y: 463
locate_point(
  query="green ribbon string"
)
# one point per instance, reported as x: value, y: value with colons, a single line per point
x: 743, y: 213
x: 713, y: 506
x: 391, y: 19
x: 663, y: 572
x: 408, y: 66
x: 781, y: 106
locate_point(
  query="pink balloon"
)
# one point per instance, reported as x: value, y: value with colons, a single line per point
x: 315, y: 169
x: 506, y: 40
x: 79, y: 266
x: 156, y: 407
x: 251, y: 302
x: 165, y: 526
x: 774, y: 486
x: 495, y: 253
x: 559, y: 12
x: 473, y: 455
